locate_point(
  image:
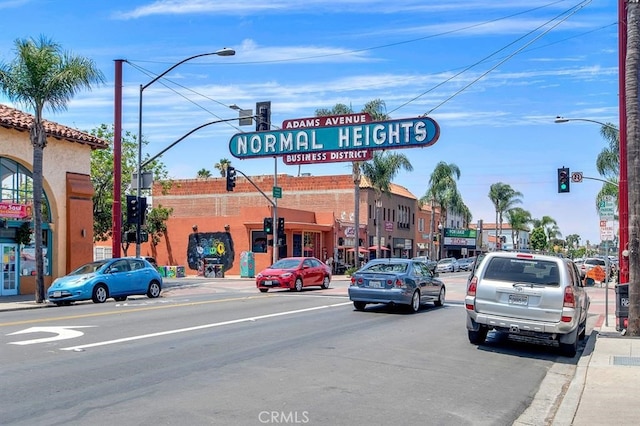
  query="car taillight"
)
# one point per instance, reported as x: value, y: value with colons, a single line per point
x: 569, y: 298
x: 356, y: 280
x: 473, y: 286
x: 399, y: 283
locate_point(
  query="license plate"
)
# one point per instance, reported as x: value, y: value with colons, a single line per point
x: 518, y: 299
x: 268, y: 283
x: 57, y: 293
x: 375, y: 284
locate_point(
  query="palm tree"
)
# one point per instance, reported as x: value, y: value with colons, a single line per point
x: 222, y: 165
x: 41, y: 76
x: 442, y: 184
x: 504, y: 198
x: 608, y: 163
x: 518, y: 219
x: 203, y: 174
x: 377, y: 110
x: 380, y: 171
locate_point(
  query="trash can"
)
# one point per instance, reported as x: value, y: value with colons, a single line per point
x: 213, y: 268
x: 247, y: 265
x: 622, y: 306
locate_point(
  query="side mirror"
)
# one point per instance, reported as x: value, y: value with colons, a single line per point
x: 113, y: 269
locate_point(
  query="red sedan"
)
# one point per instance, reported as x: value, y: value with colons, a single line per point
x: 294, y: 273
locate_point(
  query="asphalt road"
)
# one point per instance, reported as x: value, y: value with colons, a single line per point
x: 228, y: 355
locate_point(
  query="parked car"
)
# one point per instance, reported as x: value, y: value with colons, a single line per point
x: 466, y: 263
x: 529, y: 295
x: 396, y: 281
x: 294, y: 273
x: 448, y: 264
x: 590, y: 263
x: 100, y: 280
x: 431, y: 264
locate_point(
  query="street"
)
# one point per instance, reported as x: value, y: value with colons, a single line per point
x: 225, y: 354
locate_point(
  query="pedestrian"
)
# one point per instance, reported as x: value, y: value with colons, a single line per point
x: 329, y: 263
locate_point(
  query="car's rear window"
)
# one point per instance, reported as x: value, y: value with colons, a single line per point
x: 533, y: 271
x: 386, y: 267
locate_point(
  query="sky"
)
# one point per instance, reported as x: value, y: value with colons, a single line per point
x: 492, y: 74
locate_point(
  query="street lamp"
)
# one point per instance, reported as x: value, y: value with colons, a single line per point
x: 221, y: 52
x: 440, y: 241
x: 560, y: 119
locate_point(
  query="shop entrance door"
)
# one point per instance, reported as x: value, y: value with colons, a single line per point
x: 9, y: 268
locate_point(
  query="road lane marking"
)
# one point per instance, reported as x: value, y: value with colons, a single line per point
x: 201, y: 327
x: 61, y: 333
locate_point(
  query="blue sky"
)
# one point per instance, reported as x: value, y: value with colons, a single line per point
x: 493, y: 74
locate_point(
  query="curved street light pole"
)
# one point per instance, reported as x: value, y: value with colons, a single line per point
x: 222, y: 52
x: 560, y: 119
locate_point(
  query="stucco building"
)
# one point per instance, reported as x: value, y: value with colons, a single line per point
x: 319, y: 215
x: 67, y: 204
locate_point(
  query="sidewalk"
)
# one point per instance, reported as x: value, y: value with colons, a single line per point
x: 604, y: 388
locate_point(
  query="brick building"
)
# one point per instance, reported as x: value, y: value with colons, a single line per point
x: 319, y: 218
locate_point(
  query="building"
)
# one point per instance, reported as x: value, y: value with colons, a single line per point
x: 67, y: 202
x: 319, y: 220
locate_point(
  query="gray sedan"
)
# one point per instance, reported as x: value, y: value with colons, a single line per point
x: 396, y: 281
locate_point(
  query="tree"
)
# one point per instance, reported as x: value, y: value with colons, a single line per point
x: 519, y: 220
x: 538, y: 239
x: 504, y: 198
x: 222, y: 165
x: 203, y: 174
x: 102, y: 178
x: 608, y: 163
x: 632, y: 70
x: 43, y: 76
x: 442, y: 189
x: 380, y: 171
x: 157, y: 225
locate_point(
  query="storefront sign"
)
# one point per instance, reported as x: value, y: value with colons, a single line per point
x: 14, y: 210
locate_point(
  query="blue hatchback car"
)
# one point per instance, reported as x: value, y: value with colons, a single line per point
x: 117, y: 278
x: 396, y: 281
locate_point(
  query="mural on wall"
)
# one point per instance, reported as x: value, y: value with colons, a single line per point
x: 209, y: 248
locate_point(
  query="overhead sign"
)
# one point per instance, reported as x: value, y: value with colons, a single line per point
x: 327, y: 121
x: 393, y: 134
x: 576, y: 177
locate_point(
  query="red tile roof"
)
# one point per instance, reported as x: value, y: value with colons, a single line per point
x: 12, y: 118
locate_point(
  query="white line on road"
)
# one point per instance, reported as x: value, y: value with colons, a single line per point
x: 199, y: 327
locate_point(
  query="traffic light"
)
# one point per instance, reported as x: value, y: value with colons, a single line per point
x: 133, y: 209
x: 563, y: 180
x: 281, y: 233
x: 263, y: 113
x: 231, y: 178
x: 267, y: 225
x: 142, y: 205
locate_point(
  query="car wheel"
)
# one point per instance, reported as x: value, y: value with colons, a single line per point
x: 120, y: 298
x: 415, y: 302
x: 154, y: 290
x: 100, y: 293
x: 263, y: 290
x: 298, y: 285
x: 569, y: 349
x: 325, y: 282
x: 478, y: 337
x: 359, y: 306
x: 441, y: 296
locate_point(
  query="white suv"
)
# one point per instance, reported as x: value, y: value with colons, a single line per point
x: 530, y: 295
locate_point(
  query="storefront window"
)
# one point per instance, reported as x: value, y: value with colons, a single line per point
x: 16, y: 195
x: 258, y: 242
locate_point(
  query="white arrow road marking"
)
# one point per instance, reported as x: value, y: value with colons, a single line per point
x: 200, y: 327
x: 61, y: 333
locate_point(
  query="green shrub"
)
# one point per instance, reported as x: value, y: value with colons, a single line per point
x: 350, y: 271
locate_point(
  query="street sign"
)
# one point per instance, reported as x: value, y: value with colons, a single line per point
x: 576, y: 177
x: 379, y: 135
x: 606, y: 230
x: 606, y: 208
x: 326, y: 121
x: 277, y: 192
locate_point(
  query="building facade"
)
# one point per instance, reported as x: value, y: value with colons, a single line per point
x: 67, y: 202
x: 319, y: 218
